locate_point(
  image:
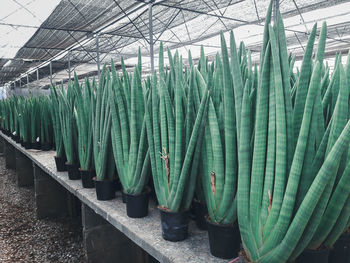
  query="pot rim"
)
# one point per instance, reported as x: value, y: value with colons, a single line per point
x: 166, y: 210
x: 146, y: 191
x: 208, y: 220
x: 104, y: 180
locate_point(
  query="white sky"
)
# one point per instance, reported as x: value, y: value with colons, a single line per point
x: 21, y: 12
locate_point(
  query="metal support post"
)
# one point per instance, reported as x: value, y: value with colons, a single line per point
x: 50, y: 72
x: 276, y: 4
x: 37, y: 76
x: 98, y: 56
x: 69, y: 73
x: 151, y: 51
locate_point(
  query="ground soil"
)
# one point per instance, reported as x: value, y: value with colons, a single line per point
x: 23, y: 238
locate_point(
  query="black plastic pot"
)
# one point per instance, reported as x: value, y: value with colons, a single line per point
x: 123, y: 197
x: 27, y: 145
x: 87, y: 178
x: 36, y: 146
x: 46, y: 146
x: 17, y: 139
x: 21, y: 142
x: 224, y: 240
x: 117, y: 185
x: 73, y: 171
x: 200, y: 211
x: 137, y: 205
x: 61, y: 163
x: 174, y: 225
x: 310, y: 256
x: 104, y: 190
x: 341, y: 250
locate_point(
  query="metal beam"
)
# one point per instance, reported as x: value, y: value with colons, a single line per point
x: 69, y: 73
x: 98, y: 56
x: 50, y: 72
x: 150, y: 26
x: 37, y: 77
x: 276, y: 7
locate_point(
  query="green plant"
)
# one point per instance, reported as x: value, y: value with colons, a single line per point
x: 68, y: 123
x: 34, y: 120
x: 175, y: 128
x: 83, y: 106
x: 101, y: 118
x: 46, y: 130
x: 24, y: 119
x: 56, y: 122
x: 289, y: 189
x: 128, y: 132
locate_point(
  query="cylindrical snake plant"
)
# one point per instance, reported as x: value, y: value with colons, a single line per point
x: 84, y: 99
x: 56, y: 122
x: 46, y: 130
x: 102, y: 122
x: 129, y: 139
x: 67, y: 116
x: 175, y: 110
x: 293, y: 189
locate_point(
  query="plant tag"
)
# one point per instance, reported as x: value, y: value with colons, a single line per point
x: 37, y: 139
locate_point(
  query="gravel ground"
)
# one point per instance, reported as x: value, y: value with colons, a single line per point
x: 23, y: 238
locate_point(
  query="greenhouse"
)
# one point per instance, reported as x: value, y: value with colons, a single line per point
x: 175, y: 131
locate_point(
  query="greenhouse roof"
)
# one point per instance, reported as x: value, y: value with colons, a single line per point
x: 37, y: 32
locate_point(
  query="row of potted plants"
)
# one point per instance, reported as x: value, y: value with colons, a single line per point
x: 28, y: 121
x: 261, y: 153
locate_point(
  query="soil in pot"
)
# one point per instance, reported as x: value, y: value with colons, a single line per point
x: 341, y: 250
x: 73, y: 171
x: 310, y: 256
x: 46, y: 147
x: 174, y: 225
x: 200, y: 211
x: 61, y: 163
x: 224, y: 240
x: 104, y: 190
x: 87, y: 178
x: 137, y: 205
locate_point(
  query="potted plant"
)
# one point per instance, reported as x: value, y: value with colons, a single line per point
x: 35, y: 123
x: 46, y: 131
x: 174, y: 139
x: 219, y: 152
x: 69, y: 130
x: 129, y: 139
x: 102, y: 147
x: 60, y: 158
x: 274, y: 226
x: 24, y: 122
x: 85, y: 97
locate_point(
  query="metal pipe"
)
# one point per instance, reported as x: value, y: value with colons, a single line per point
x: 50, y: 72
x: 69, y: 74
x: 151, y: 49
x: 98, y: 56
x: 276, y: 4
x: 37, y: 77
